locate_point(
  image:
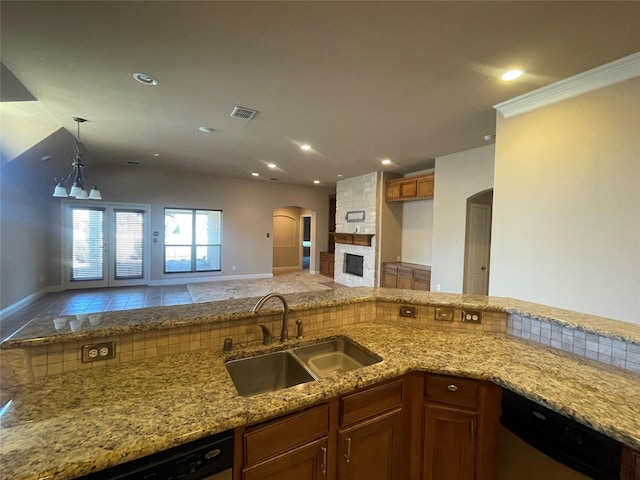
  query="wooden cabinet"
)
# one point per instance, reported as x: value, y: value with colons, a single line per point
x: 327, y: 261
x: 410, y: 188
x: 356, y: 437
x: 460, y: 422
x: 370, y: 443
x: 293, y: 447
x: 434, y: 427
x: 630, y: 468
x: 410, y: 276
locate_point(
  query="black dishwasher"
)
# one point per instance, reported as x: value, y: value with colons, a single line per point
x: 208, y: 458
x: 565, y: 440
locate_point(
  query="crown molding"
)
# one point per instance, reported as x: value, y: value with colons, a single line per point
x: 603, y: 76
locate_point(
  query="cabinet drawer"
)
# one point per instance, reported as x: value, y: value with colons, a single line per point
x: 370, y: 402
x: 456, y: 390
x: 271, y: 438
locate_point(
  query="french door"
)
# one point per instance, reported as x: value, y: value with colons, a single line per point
x: 105, y: 245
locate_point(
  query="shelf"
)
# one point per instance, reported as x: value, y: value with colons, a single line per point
x: 363, y: 239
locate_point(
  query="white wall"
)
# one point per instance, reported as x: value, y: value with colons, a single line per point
x: 417, y: 228
x: 457, y: 177
x: 566, y: 217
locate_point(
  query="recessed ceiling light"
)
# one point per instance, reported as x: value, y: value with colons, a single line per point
x: 271, y: 165
x: 386, y: 161
x: 207, y: 129
x: 490, y: 137
x: 340, y: 175
x: 316, y: 181
x: 255, y: 174
x: 145, y: 79
x: 511, y: 75
x: 305, y: 147
x: 154, y: 154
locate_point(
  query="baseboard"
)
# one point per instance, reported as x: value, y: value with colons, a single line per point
x: 287, y: 269
x: 13, y: 308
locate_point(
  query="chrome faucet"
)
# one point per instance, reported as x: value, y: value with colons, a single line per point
x: 284, y: 333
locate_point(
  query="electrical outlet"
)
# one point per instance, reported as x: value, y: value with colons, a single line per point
x: 471, y: 316
x: 407, y: 311
x: 444, y: 314
x: 98, y: 351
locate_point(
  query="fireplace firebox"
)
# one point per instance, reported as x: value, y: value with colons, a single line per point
x: 354, y: 264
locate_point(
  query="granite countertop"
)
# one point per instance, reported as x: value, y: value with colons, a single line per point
x: 71, y: 424
x: 41, y: 330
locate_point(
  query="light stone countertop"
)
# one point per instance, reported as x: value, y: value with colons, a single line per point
x: 71, y: 424
x: 41, y: 331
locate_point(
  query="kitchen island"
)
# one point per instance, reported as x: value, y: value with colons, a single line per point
x: 64, y: 425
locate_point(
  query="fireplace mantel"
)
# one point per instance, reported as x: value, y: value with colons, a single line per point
x: 363, y: 239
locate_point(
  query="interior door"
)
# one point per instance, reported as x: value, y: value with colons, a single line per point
x: 105, y: 245
x: 478, y: 247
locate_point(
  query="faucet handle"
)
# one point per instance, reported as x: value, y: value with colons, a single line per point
x: 299, y: 329
x: 266, y: 335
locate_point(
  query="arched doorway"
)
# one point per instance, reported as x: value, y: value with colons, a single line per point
x: 477, y: 249
x: 293, y: 239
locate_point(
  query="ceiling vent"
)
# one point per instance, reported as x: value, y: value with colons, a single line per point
x: 245, y: 113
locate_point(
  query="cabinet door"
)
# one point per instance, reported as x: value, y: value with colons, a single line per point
x: 389, y: 277
x: 308, y: 462
x: 425, y: 187
x: 392, y: 191
x: 405, y: 278
x: 371, y: 450
x: 408, y: 189
x: 449, y: 444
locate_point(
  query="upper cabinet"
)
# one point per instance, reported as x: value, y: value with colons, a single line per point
x: 409, y: 188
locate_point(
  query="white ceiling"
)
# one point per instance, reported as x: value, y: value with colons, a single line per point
x: 358, y: 81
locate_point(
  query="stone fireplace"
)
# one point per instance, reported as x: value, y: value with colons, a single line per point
x: 354, y: 196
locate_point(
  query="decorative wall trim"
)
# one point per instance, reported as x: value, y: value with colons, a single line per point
x: 11, y: 309
x: 211, y: 278
x: 605, y: 75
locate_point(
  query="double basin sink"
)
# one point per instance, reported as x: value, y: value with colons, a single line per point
x: 278, y: 370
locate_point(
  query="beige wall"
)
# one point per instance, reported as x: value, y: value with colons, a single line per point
x: 566, y: 224
x: 457, y: 177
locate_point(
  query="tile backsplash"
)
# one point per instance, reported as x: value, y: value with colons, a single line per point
x: 23, y: 365
x: 619, y: 353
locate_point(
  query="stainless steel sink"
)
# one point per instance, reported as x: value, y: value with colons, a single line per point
x: 274, y: 371
x: 333, y: 357
x: 266, y: 373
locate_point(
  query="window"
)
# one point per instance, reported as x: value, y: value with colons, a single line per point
x: 192, y: 240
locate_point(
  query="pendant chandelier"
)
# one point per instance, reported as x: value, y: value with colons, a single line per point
x: 77, y: 173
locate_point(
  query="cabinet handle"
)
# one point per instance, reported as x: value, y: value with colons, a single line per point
x: 324, y: 460
x: 348, y: 454
x: 472, y: 430
x: 452, y: 388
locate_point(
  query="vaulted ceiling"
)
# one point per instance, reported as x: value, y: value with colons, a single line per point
x: 357, y: 81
